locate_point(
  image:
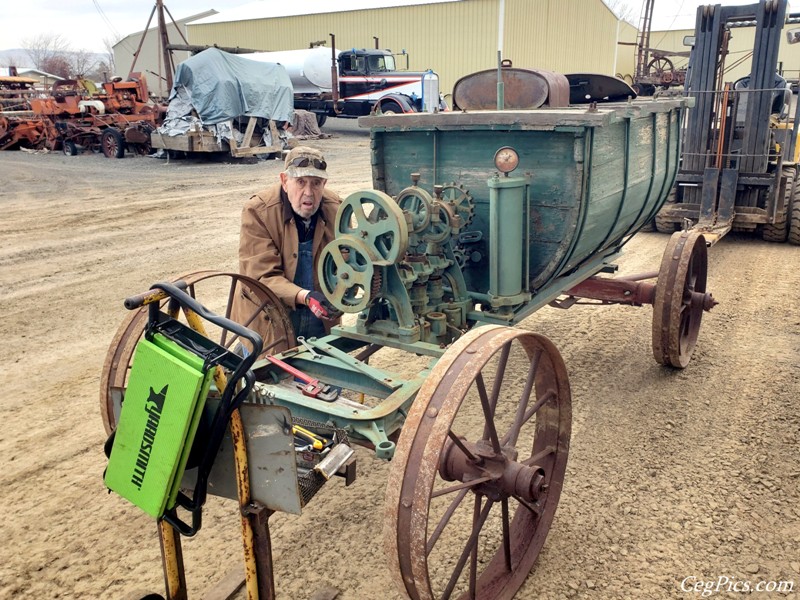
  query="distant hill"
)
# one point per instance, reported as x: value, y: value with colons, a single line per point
x: 18, y: 56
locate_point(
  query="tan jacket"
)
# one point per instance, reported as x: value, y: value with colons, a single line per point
x: 268, y: 245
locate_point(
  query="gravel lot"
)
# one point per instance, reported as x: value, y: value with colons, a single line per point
x: 672, y: 474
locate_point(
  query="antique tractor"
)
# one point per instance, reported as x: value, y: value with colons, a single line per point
x: 477, y: 220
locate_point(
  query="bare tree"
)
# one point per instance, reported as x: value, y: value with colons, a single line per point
x: 81, y: 63
x: 14, y: 60
x: 622, y: 9
x: 57, y: 65
x: 44, y: 47
x: 108, y: 58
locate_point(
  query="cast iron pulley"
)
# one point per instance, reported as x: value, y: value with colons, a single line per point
x: 374, y: 218
x: 680, y: 298
x: 419, y: 204
x: 457, y: 194
x: 479, y: 467
x: 443, y: 220
x: 347, y: 273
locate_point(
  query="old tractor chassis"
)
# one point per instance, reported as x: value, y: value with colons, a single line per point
x: 491, y: 464
x: 477, y: 418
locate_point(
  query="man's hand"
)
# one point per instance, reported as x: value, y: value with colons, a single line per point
x: 320, y: 306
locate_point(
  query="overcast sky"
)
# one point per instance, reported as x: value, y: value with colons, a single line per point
x: 85, y: 23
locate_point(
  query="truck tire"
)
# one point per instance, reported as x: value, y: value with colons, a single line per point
x: 112, y: 143
x: 391, y: 108
x: 779, y: 230
x: 321, y: 119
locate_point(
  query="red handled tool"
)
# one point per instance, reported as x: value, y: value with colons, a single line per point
x: 311, y: 387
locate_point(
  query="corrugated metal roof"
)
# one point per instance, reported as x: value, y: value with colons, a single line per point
x: 269, y: 9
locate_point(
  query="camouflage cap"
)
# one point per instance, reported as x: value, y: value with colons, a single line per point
x: 305, y: 162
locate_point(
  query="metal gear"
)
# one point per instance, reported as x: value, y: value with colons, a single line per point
x: 460, y: 197
x: 419, y: 204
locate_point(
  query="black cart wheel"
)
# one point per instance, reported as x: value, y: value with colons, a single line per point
x: 321, y: 119
x: 113, y: 143
x: 69, y: 148
x: 680, y: 298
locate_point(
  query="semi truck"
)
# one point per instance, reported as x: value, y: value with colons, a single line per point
x: 355, y: 82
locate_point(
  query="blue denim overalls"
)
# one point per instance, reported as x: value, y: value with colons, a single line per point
x: 303, y: 320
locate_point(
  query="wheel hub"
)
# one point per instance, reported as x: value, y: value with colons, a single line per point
x: 505, y: 477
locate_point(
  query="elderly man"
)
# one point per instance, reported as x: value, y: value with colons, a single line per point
x: 284, y: 229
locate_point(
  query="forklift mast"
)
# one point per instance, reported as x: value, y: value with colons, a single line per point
x: 731, y: 168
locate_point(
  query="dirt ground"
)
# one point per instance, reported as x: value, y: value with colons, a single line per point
x: 672, y: 474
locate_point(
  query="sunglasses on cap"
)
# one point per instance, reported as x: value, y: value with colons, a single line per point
x: 304, y: 161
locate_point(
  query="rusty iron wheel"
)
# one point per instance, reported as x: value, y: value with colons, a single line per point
x: 113, y: 143
x: 479, y: 468
x: 679, y: 299
x: 210, y: 288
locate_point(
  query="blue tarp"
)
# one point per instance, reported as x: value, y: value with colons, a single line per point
x: 223, y: 86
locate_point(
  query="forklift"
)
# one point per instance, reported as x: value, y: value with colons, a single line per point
x: 739, y: 161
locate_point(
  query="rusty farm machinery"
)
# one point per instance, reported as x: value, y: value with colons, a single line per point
x: 476, y: 220
x: 77, y: 116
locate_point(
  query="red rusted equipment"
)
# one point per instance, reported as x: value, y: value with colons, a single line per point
x: 76, y: 115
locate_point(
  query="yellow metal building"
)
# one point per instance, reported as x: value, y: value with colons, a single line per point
x: 452, y: 37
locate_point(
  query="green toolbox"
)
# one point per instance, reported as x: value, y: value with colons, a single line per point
x: 166, y: 392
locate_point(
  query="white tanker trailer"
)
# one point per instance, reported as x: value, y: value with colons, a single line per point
x: 358, y: 83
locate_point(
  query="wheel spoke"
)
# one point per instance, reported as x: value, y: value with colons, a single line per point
x: 448, y: 514
x: 459, y: 486
x: 548, y: 395
x: 519, y: 418
x: 457, y: 441
x: 506, y: 535
x: 477, y: 525
x: 488, y: 414
x: 536, y: 458
x: 498, y: 382
x: 536, y: 509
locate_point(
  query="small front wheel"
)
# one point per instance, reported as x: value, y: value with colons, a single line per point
x: 69, y: 148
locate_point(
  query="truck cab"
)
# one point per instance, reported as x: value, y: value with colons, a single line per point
x: 369, y: 82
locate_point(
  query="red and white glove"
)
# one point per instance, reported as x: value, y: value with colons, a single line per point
x: 320, y: 306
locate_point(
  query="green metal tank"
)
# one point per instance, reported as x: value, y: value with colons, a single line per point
x: 596, y: 174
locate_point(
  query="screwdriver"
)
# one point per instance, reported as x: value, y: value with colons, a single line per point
x: 317, y: 442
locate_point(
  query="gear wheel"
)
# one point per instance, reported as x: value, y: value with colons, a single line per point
x: 461, y: 199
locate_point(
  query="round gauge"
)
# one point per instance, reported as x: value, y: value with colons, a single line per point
x: 506, y: 159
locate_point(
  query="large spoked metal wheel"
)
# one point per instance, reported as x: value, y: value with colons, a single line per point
x: 680, y: 299
x: 479, y: 467
x: 377, y: 220
x: 214, y: 290
x: 346, y: 273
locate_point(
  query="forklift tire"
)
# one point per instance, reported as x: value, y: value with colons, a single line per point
x: 794, y: 221
x: 69, y: 148
x: 321, y: 119
x: 112, y: 143
x: 779, y: 230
